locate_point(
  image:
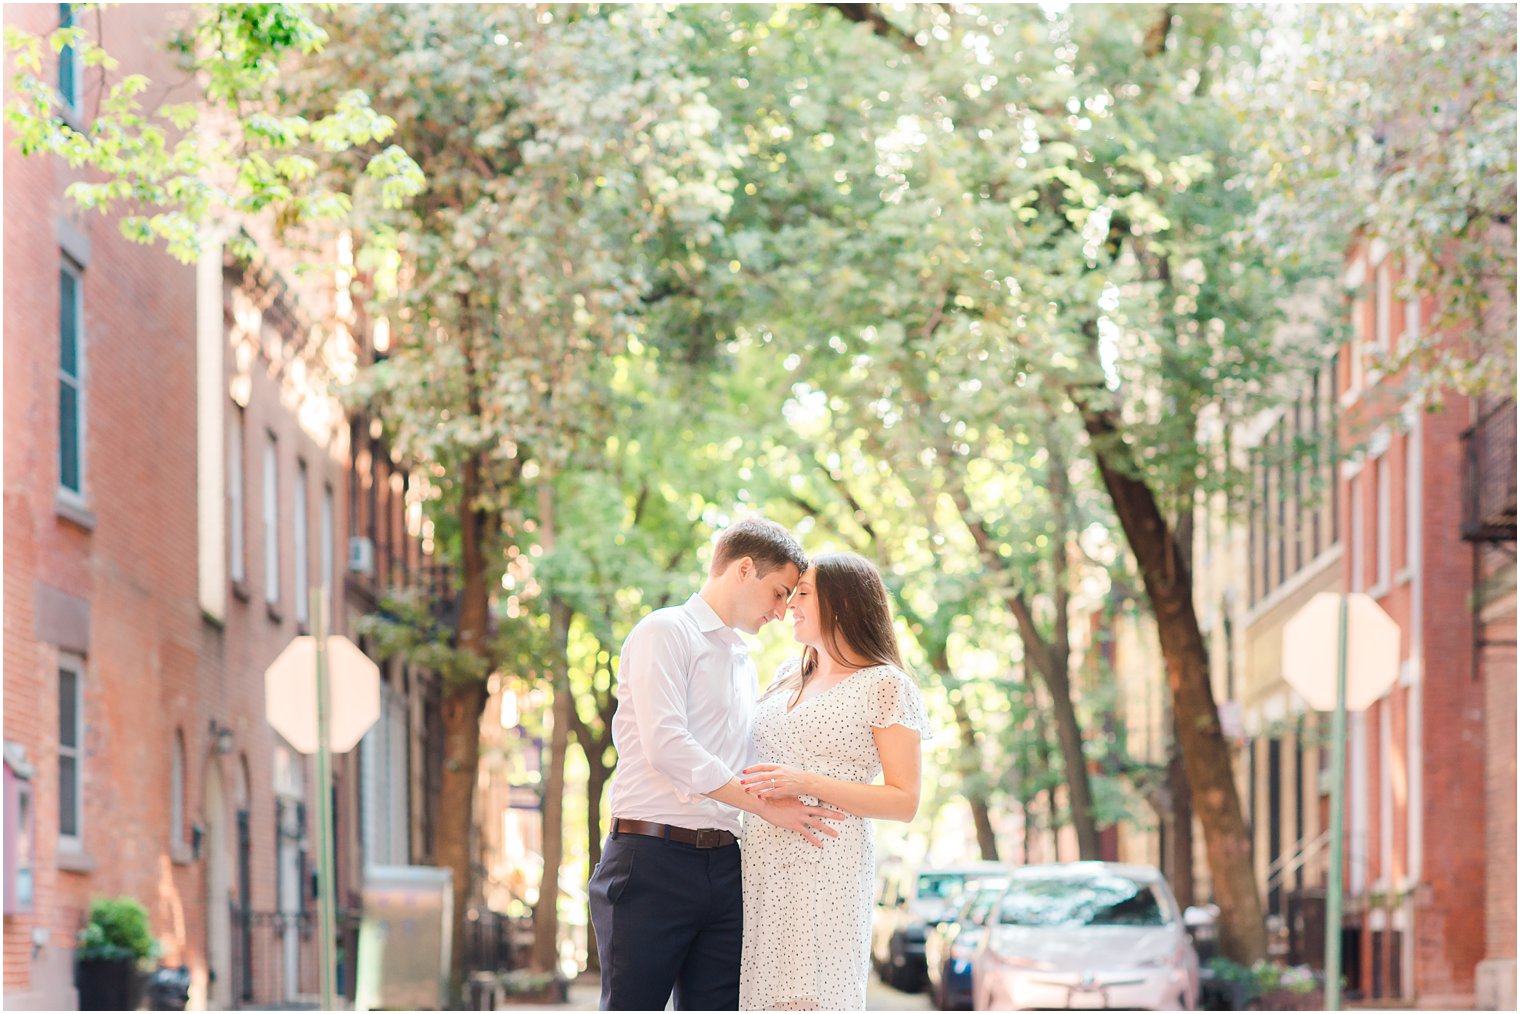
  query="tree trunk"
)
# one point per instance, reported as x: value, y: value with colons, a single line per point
x: 596, y: 784
x: 1073, y: 762
x: 546, y: 912
x: 969, y: 759
x: 462, y: 708
x: 1205, y: 752
x: 1047, y: 659
x: 1180, y: 876
x: 970, y: 767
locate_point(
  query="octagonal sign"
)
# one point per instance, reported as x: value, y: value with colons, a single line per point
x: 290, y: 693
x: 1311, y: 645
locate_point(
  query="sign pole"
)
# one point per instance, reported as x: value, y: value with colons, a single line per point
x: 326, y: 890
x: 1337, y: 819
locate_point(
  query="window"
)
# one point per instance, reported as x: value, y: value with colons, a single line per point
x: 1358, y: 528
x: 271, y: 521
x: 1282, y: 502
x: 1382, y: 335
x: 1316, y: 537
x: 177, y: 792
x: 238, y: 566
x: 70, y: 751
x: 68, y: 62
x: 71, y: 381
x: 1411, y: 323
x: 1384, y: 523
x: 303, y: 584
x: 1298, y: 486
x: 1411, y: 500
x: 327, y: 536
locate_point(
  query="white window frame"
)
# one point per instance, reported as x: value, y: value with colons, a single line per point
x: 1358, y: 535
x: 1382, y: 294
x: 272, y: 520
x: 75, y: 497
x: 74, y: 665
x: 1383, y: 490
x: 1412, y: 506
x: 1354, y: 278
x: 302, y: 561
x: 328, y: 535
x: 236, y: 506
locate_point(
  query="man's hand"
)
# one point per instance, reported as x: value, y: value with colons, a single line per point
x: 793, y: 814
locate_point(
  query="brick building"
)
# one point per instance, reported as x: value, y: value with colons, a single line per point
x: 1386, y: 521
x: 177, y: 472
x: 103, y: 628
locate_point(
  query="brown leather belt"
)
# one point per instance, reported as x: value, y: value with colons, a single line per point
x: 702, y: 838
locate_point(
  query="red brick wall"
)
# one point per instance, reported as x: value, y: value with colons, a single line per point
x: 1430, y: 603
x: 136, y: 568
x: 1450, y: 939
x: 154, y: 664
x: 1499, y: 714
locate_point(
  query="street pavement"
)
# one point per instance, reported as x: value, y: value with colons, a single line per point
x: 585, y: 991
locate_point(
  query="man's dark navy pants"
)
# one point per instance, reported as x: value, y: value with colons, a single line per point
x: 668, y: 917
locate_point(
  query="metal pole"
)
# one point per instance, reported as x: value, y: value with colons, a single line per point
x: 326, y: 890
x: 1337, y: 819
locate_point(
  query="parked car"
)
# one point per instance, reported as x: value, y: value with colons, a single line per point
x: 1081, y: 936
x: 951, y: 945
x: 912, y: 900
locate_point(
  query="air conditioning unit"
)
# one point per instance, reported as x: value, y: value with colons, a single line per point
x: 361, y: 555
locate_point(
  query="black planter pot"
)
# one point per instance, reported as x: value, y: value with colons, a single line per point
x: 109, y: 985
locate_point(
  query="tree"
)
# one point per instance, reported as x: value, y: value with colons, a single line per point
x: 1397, y: 122
x: 556, y: 143
x: 1059, y: 222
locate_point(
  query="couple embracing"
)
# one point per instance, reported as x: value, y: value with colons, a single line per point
x: 704, y: 761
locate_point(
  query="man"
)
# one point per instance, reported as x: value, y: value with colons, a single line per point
x: 665, y: 899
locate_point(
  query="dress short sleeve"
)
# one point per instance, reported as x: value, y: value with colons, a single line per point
x: 896, y: 700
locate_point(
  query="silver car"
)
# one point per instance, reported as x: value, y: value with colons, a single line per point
x: 1086, y: 936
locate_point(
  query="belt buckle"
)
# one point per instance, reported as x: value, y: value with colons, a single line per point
x: 708, y: 838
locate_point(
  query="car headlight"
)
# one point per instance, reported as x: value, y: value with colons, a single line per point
x: 1176, y: 957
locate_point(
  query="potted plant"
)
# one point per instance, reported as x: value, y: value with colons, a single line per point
x: 113, y: 948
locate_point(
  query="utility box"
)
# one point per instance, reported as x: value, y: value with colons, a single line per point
x: 405, y: 939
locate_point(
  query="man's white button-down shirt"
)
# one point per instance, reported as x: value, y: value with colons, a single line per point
x: 686, y: 702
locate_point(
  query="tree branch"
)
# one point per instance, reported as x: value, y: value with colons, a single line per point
x: 869, y: 14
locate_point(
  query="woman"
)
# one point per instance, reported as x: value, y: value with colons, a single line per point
x: 827, y: 726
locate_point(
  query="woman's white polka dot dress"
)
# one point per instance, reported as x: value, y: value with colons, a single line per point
x: 807, y: 911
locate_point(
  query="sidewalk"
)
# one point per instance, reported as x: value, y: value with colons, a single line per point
x: 585, y: 994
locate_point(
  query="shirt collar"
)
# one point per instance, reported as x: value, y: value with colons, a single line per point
x: 707, y: 619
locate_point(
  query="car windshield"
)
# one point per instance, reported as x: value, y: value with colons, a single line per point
x: 980, y: 897
x: 1104, y: 900
x: 940, y: 885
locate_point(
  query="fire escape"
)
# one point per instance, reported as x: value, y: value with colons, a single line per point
x: 1488, y: 520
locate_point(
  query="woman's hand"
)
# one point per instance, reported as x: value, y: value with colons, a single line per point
x: 775, y: 781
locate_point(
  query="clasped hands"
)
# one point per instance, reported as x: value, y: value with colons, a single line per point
x: 780, y: 786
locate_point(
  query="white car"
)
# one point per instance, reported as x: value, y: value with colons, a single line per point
x: 1086, y: 936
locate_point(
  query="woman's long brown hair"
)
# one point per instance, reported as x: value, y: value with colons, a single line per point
x: 854, y: 616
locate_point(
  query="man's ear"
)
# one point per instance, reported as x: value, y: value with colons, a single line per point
x: 746, y: 568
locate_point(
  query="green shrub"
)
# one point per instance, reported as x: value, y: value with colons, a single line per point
x: 117, y: 930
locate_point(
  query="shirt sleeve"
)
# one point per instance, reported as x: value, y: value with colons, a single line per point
x: 655, y: 667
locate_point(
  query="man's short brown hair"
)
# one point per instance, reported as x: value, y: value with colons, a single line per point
x: 763, y: 541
